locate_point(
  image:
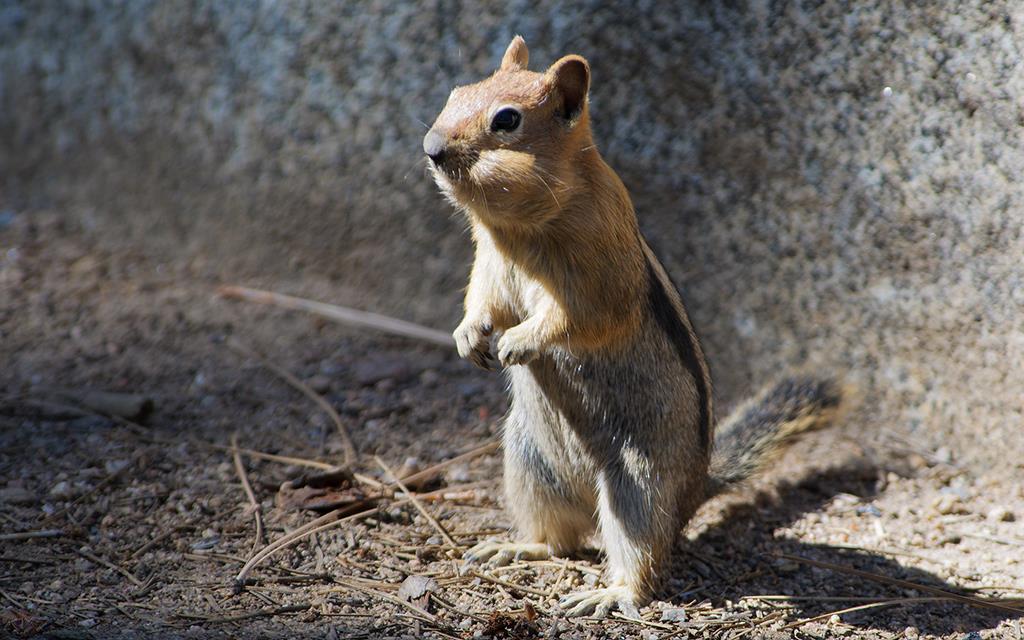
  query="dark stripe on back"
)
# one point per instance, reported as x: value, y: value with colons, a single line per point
x: 668, y: 319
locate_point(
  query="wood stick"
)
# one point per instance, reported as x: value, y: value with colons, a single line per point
x: 110, y: 565
x: 346, y: 439
x: 429, y: 617
x: 13, y: 601
x: 643, y: 623
x: 291, y: 608
x: 508, y: 585
x: 27, y: 560
x: 324, y: 522
x: 861, y: 607
x: 28, y: 535
x: 252, y: 453
x: 429, y: 472
x: 449, y: 606
x: 240, y: 470
x: 413, y: 479
x: 903, y: 584
x: 558, y: 581
x: 344, y: 315
x: 155, y: 541
x: 131, y: 406
x: 419, y: 507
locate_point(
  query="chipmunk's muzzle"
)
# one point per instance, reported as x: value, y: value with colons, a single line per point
x: 434, y: 145
x: 447, y: 156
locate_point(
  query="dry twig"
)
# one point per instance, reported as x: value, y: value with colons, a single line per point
x: 871, y: 605
x: 346, y: 439
x: 643, y: 623
x: 155, y: 541
x: 29, y: 535
x: 509, y: 585
x: 324, y: 522
x: 261, y: 613
x: 345, y: 315
x: 419, y: 507
x: 131, y: 406
x: 110, y: 565
x: 904, y: 584
x: 253, y: 503
x: 426, y: 615
x: 252, y: 453
x: 429, y: 472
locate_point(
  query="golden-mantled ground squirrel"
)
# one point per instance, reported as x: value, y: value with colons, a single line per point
x: 611, y: 424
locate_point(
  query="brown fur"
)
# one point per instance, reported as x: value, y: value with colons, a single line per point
x: 611, y: 418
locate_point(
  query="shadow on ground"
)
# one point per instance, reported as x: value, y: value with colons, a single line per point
x: 740, y: 557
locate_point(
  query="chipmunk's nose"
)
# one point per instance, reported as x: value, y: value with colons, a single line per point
x: 434, y: 146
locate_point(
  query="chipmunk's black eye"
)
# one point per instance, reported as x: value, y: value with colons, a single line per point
x: 506, y: 119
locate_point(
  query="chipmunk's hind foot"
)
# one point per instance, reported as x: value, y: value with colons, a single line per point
x: 600, y: 602
x: 500, y: 554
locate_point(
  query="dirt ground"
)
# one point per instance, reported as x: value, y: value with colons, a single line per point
x: 111, y: 530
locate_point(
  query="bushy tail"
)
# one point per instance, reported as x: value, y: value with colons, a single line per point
x: 763, y: 426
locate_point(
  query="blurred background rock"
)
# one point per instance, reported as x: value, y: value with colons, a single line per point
x: 830, y: 184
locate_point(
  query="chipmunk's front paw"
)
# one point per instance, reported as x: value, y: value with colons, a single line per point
x: 472, y: 339
x: 600, y: 602
x: 517, y: 347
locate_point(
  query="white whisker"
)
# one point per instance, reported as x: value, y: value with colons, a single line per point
x: 545, y: 183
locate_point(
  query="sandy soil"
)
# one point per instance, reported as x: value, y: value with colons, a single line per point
x: 149, y: 525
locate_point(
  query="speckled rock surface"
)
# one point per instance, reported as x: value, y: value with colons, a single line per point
x: 830, y: 185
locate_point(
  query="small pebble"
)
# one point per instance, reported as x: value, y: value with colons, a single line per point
x: 869, y: 509
x: 1001, y: 514
x: 430, y: 377
x: 61, y: 490
x: 114, y: 466
x: 948, y: 504
x: 206, y: 543
x: 786, y: 567
x: 674, y: 615
x: 458, y: 474
x: 375, y: 369
x: 911, y: 633
x: 834, y: 619
x: 319, y: 383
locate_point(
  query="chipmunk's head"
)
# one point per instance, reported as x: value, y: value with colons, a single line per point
x: 509, y: 148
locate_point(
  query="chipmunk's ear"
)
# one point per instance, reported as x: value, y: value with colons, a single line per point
x: 571, y: 76
x: 517, y: 56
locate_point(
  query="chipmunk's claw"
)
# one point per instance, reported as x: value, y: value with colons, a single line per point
x: 600, y: 602
x: 483, y: 359
x: 472, y: 339
x: 516, y: 348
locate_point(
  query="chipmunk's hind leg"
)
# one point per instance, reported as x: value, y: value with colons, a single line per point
x: 637, y: 522
x: 550, y: 518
